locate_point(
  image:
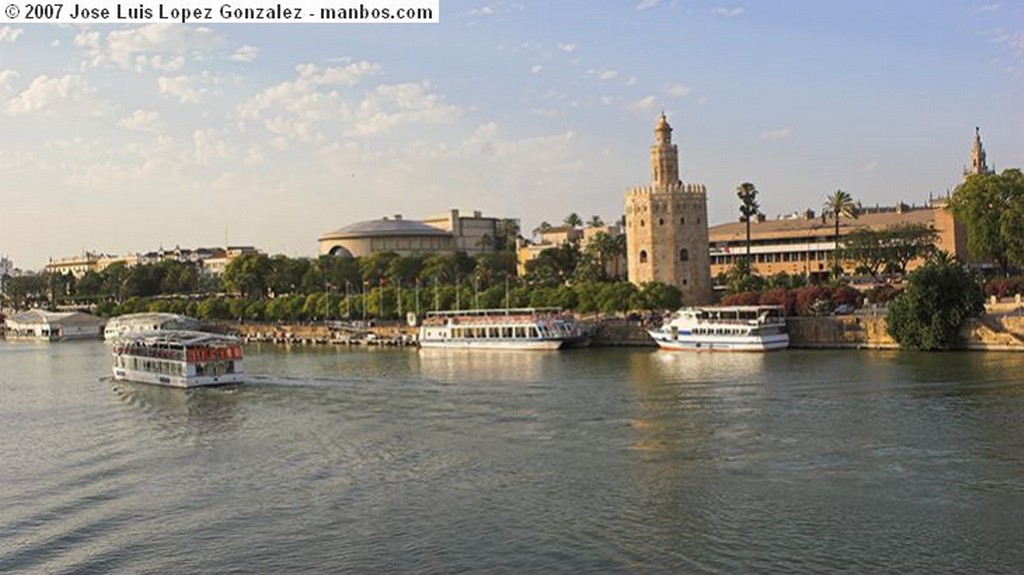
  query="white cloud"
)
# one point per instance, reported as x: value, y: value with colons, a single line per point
x: 306, y: 88
x: 988, y: 7
x: 536, y: 69
x: 727, y: 12
x: 870, y: 166
x: 9, y: 35
x: 603, y: 75
x: 184, y: 88
x: 47, y: 94
x: 646, y: 104
x: 776, y: 134
x: 567, y: 48
x: 209, y: 146
x: 1011, y: 40
x: 678, y: 90
x: 141, y: 121
x: 5, y: 78
x: 646, y: 4
x: 160, y: 46
x: 245, y: 54
x: 390, y: 106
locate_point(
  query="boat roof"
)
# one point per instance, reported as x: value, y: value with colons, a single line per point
x: 735, y: 308
x: 494, y: 311
x: 179, y: 337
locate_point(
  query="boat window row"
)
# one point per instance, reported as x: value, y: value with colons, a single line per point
x: 164, y: 367
x: 506, y: 332
x: 721, y: 331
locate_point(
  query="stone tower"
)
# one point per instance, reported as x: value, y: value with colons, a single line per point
x: 667, y: 226
x: 978, y: 165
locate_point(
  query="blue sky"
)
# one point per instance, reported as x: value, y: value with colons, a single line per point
x: 120, y: 139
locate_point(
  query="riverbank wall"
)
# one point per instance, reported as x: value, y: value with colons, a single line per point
x: 991, y: 332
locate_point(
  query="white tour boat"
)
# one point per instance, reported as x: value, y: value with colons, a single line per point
x: 178, y: 358
x: 124, y: 325
x: 502, y: 328
x: 727, y: 328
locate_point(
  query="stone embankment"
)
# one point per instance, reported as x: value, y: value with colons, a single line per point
x: 999, y: 331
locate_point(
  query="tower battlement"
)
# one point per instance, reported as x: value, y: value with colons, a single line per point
x: 677, y: 188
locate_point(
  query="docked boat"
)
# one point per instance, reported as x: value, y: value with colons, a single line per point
x: 502, y: 328
x: 124, y: 325
x: 178, y: 358
x: 726, y: 328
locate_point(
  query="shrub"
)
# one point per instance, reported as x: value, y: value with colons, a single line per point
x: 742, y: 298
x: 939, y: 298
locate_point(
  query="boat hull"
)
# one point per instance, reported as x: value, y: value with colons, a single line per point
x: 725, y: 343
x: 122, y: 374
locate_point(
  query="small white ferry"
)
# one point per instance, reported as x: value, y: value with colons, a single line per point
x: 124, y: 325
x: 178, y: 358
x: 727, y: 328
x: 502, y: 328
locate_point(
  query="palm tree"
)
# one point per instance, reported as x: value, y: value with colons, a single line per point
x: 749, y: 208
x: 541, y: 228
x: 838, y: 205
x: 573, y: 220
x: 595, y: 222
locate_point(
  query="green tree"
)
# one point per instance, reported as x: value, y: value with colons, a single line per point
x: 247, y: 275
x: 573, y: 220
x: 891, y: 248
x: 940, y: 296
x: 595, y: 222
x: 839, y: 205
x: 749, y: 207
x: 991, y: 206
x: 541, y: 228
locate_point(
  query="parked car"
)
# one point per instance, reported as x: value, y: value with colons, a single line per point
x: 844, y: 309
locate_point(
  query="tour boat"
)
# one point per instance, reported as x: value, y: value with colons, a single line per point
x: 503, y: 328
x: 727, y: 328
x: 123, y: 325
x: 178, y: 358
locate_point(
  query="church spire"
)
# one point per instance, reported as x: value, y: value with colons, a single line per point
x: 664, y: 155
x: 978, y: 165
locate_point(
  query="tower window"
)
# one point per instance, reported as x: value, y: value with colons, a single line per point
x: 682, y: 221
x: 641, y: 223
x: 643, y: 256
x: 661, y: 221
x: 684, y: 255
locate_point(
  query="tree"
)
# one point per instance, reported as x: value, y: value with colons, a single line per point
x: 541, y: 228
x: 749, y: 208
x: 247, y: 274
x: 991, y: 206
x: 939, y: 298
x: 506, y: 232
x: 893, y: 247
x: 595, y: 222
x: 573, y: 220
x: 840, y: 204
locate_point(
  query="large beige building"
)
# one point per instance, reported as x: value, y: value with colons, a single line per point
x: 805, y: 244
x: 449, y: 233
x: 667, y: 225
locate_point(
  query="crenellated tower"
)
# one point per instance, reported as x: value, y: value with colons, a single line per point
x: 666, y: 225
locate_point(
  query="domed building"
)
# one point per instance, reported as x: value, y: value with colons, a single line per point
x: 404, y: 237
x: 473, y: 234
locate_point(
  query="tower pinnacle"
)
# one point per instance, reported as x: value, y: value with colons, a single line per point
x: 978, y: 164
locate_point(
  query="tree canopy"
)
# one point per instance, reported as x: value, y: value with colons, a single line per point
x: 991, y: 206
x: 894, y: 246
x: 939, y: 298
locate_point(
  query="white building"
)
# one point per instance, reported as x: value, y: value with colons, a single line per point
x: 53, y: 326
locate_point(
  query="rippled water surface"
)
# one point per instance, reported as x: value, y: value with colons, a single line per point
x: 611, y: 461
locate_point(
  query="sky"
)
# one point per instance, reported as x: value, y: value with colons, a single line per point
x: 122, y: 139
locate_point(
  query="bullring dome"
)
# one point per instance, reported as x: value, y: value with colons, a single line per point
x: 405, y: 237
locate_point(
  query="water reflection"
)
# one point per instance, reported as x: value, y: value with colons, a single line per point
x: 451, y: 365
x: 184, y: 412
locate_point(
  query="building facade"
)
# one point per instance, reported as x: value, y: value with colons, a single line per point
x: 666, y: 226
x: 449, y: 233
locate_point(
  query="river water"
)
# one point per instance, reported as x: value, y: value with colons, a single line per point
x: 585, y: 461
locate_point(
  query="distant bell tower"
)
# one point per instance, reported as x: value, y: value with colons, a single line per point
x: 667, y: 226
x: 978, y: 165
